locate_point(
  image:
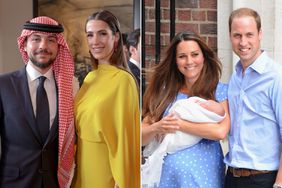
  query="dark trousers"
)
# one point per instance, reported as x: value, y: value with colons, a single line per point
x: 252, y: 181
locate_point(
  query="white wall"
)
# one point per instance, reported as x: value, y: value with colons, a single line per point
x: 224, y: 7
x: 13, y: 14
x: 270, y: 12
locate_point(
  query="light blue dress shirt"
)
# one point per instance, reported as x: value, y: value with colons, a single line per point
x: 255, y: 104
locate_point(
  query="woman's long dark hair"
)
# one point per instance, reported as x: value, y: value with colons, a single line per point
x: 166, y: 80
x: 117, y: 58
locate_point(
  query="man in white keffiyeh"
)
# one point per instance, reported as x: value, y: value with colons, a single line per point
x: 27, y: 160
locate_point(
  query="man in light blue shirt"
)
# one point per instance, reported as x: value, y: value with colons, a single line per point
x: 255, y: 104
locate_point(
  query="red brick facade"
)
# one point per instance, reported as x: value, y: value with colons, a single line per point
x: 197, y: 15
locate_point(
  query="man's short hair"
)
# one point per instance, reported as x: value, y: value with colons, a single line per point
x: 242, y: 12
x: 133, y: 38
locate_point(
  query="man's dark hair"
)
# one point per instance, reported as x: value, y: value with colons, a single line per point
x: 133, y: 38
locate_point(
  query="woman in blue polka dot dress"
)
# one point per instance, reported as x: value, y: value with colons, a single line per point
x: 190, y: 68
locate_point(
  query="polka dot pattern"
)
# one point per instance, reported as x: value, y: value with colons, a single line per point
x: 199, y: 166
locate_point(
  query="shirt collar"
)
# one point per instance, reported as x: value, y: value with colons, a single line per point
x: 135, y: 62
x: 34, y: 74
x: 259, y: 65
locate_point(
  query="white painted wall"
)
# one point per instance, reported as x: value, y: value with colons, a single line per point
x: 270, y: 12
x: 224, y: 7
x: 13, y: 14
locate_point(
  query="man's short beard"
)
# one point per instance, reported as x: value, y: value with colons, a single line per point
x: 42, y: 65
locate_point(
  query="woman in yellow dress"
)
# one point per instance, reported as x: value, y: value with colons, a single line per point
x: 107, y: 112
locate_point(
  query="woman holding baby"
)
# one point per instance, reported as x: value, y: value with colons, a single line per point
x: 189, y: 68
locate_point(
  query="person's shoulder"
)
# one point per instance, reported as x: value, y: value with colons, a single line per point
x: 126, y: 78
x: 221, y: 91
x: 125, y: 75
x: 277, y: 68
x: 271, y: 65
x: 273, y: 70
x: 89, y: 76
x: 222, y: 86
x: 8, y: 79
x: 277, y: 72
x: 131, y: 65
x: 8, y: 75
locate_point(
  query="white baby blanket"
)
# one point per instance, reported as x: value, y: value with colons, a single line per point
x: 186, y: 109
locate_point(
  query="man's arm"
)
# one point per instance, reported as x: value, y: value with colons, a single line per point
x: 279, y: 175
x: 276, y: 103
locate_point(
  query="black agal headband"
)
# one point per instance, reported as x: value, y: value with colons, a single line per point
x: 43, y: 27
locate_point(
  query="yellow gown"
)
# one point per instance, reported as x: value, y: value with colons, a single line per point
x: 108, y: 129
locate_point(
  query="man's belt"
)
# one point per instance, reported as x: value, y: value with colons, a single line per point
x: 244, y: 172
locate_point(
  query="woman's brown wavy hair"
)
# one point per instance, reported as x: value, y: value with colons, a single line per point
x: 166, y: 80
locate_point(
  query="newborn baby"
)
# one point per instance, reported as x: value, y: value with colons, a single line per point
x: 194, y: 109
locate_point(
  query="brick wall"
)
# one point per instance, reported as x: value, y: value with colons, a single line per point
x: 197, y: 15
